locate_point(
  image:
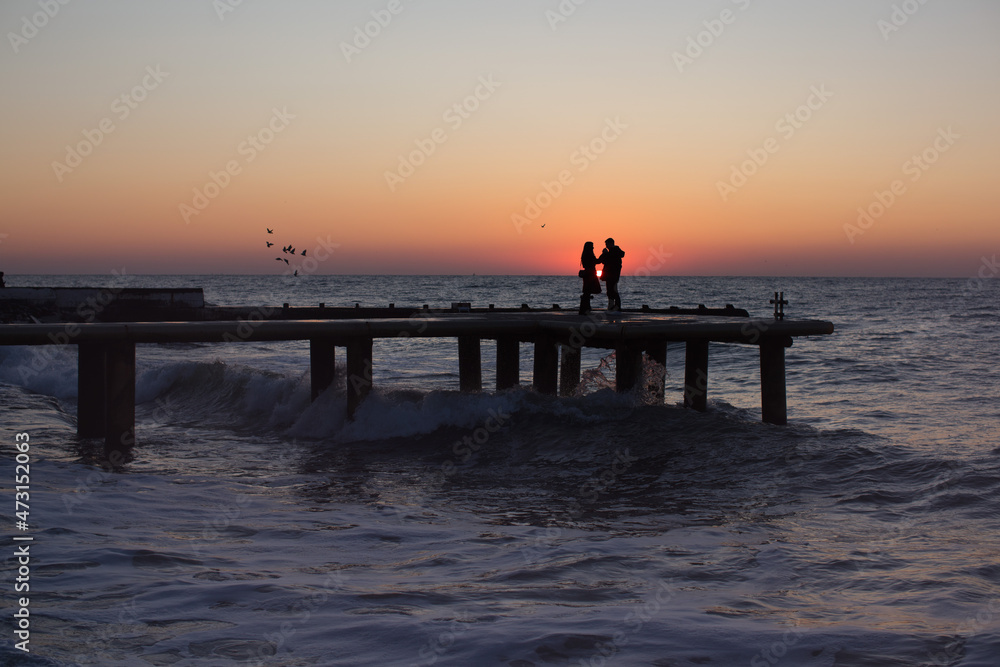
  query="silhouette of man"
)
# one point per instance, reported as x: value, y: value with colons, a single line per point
x: 611, y: 258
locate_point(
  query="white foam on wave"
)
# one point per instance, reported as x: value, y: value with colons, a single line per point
x: 401, y: 414
x: 397, y: 414
x: 214, y: 392
x: 43, y: 369
x: 217, y: 393
x: 250, y: 398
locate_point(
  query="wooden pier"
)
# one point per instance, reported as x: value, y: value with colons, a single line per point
x: 106, y: 406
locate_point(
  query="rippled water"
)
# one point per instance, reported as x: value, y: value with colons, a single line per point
x: 255, y: 527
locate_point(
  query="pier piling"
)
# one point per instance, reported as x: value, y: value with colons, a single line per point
x: 508, y: 362
x: 628, y: 366
x: 696, y: 375
x: 657, y: 351
x: 92, y: 404
x: 569, y: 370
x: 322, y: 364
x: 119, y: 433
x: 359, y: 372
x: 546, y: 366
x: 470, y: 364
x: 773, y: 401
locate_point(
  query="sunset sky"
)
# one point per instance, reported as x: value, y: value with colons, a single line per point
x: 722, y: 137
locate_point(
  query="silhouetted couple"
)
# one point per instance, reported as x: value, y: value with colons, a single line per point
x: 611, y: 259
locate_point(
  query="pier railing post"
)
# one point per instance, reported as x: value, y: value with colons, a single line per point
x: 359, y: 372
x: 773, y: 400
x: 546, y: 366
x: 119, y: 433
x: 628, y: 366
x: 322, y: 364
x: 508, y: 362
x: 696, y: 375
x: 569, y: 370
x: 470, y: 364
x: 91, y: 405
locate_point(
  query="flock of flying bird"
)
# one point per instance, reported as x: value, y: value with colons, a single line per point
x: 288, y: 250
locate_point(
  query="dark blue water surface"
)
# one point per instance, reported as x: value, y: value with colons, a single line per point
x: 257, y: 527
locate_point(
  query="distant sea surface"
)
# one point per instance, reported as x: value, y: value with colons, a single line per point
x: 255, y: 527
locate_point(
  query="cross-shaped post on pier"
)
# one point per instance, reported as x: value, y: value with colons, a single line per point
x: 779, y: 305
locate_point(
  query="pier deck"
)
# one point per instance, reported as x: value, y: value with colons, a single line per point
x: 107, y: 351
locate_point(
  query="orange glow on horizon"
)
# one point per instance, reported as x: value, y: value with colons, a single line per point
x: 576, y: 143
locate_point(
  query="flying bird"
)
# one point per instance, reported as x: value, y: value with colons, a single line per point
x: 269, y: 244
x: 296, y: 272
x: 269, y: 231
x: 304, y: 253
x: 286, y: 261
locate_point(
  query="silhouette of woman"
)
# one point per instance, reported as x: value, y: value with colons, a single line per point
x: 591, y: 285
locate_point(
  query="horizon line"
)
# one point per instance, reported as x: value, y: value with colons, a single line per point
x: 496, y: 275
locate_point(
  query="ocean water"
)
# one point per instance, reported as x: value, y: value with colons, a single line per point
x: 439, y: 528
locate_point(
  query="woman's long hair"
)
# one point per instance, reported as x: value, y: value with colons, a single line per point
x: 588, y: 251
